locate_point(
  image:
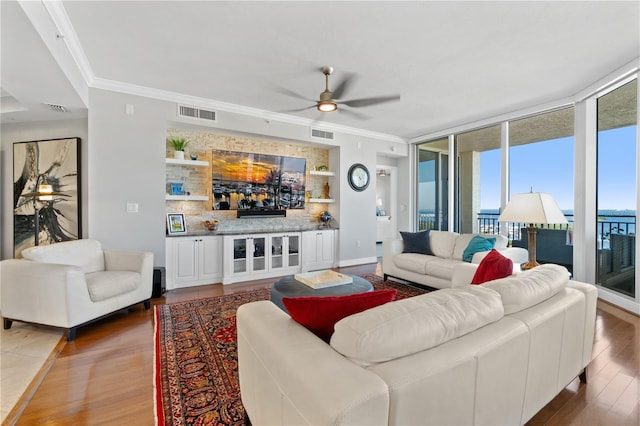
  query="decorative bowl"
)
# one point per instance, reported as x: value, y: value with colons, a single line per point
x: 211, y: 225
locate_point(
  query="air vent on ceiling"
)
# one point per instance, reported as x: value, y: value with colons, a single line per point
x: 57, y: 108
x: 187, y: 111
x: 322, y: 134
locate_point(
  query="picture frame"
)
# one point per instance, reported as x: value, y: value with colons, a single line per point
x: 176, y: 224
x: 41, y: 220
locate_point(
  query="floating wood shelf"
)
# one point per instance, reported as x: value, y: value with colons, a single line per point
x: 186, y: 162
x: 321, y: 173
x: 321, y: 200
x: 187, y: 198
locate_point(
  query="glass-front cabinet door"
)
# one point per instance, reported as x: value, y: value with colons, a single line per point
x: 248, y: 253
x: 293, y: 250
x: 239, y: 255
x: 259, y: 259
x: 285, y: 251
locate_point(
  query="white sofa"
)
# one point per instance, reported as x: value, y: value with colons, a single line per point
x: 492, y: 354
x: 71, y: 283
x: 437, y: 270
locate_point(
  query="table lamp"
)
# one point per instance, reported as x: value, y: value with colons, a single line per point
x: 532, y: 208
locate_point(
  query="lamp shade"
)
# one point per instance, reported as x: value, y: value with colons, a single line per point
x: 532, y: 207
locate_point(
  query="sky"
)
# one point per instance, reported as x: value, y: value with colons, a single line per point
x: 548, y: 167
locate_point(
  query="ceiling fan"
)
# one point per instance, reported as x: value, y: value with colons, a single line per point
x: 329, y: 100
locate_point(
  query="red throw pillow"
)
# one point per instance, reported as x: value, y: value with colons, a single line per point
x: 319, y: 314
x: 493, y: 266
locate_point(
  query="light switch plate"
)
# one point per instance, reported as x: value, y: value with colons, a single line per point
x: 132, y: 207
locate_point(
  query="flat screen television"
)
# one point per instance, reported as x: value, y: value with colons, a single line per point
x: 250, y: 181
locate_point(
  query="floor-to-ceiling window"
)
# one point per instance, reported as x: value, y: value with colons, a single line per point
x: 545, y: 154
x: 616, y: 190
x: 541, y: 160
x: 478, y: 152
x: 433, y: 185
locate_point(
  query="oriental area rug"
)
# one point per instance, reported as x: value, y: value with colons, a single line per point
x: 196, y: 362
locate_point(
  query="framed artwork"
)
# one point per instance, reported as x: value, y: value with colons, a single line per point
x: 176, y: 224
x: 46, y: 218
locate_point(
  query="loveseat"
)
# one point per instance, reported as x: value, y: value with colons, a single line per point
x: 447, y: 249
x: 490, y: 354
x: 71, y: 283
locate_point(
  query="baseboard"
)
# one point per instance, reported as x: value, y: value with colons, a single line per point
x: 354, y: 262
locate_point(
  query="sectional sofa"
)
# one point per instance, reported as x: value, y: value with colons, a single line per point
x: 477, y: 355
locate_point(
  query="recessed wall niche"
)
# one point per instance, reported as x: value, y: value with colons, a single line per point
x: 195, y: 178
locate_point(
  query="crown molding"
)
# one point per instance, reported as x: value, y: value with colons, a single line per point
x: 51, y: 22
x: 58, y: 15
x: 74, y: 54
x: 195, y: 101
x: 62, y: 22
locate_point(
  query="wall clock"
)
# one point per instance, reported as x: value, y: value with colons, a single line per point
x: 358, y: 177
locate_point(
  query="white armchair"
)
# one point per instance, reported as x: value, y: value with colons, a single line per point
x: 72, y: 283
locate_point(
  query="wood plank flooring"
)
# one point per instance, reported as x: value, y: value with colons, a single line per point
x: 104, y: 377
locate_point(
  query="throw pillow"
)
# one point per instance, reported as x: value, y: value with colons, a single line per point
x: 319, y: 314
x: 416, y: 242
x: 477, y: 244
x: 494, y: 266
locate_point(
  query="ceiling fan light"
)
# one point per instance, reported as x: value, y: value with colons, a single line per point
x: 327, y: 106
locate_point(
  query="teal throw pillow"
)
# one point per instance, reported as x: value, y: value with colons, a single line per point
x: 416, y: 242
x: 477, y: 244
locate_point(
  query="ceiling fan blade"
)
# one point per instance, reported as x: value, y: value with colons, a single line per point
x: 354, y: 114
x: 293, y: 94
x: 298, y: 109
x: 344, y: 85
x: 370, y: 101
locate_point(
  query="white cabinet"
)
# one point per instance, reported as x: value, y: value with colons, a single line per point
x: 193, y: 261
x: 257, y: 256
x: 318, y: 249
x: 244, y: 255
x: 285, y: 252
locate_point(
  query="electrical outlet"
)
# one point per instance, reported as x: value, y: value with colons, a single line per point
x: 358, y: 243
x: 132, y: 207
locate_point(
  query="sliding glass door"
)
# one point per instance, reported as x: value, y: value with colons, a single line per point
x: 433, y: 185
x: 616, y: 190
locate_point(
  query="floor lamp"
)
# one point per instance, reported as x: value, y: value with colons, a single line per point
x: 532, y: 208
x: 44, y: 192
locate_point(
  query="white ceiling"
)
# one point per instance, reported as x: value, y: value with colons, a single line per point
x: 452, y: 62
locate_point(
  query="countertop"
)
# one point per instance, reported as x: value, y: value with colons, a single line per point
x: 272, y: 230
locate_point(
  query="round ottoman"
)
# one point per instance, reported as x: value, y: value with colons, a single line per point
x: 289, y: 287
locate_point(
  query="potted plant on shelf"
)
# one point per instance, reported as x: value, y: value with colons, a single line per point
x: 178, y: 144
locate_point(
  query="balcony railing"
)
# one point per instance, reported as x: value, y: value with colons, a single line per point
x: 488, y: 224
x: 607, y: 225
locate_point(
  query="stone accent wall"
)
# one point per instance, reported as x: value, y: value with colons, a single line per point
x: 197, y: 180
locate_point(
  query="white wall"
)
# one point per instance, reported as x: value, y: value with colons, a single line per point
x: 126, y: 165
x: 23, y: 132
x: 123, y: 162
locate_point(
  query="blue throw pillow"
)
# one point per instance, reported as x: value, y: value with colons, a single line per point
x: 416, y: 242
x: 477, y: 244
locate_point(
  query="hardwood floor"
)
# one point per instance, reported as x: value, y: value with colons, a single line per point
x: 105, y: 375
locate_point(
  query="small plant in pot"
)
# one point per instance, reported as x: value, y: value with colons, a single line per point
x: 178, y: 144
